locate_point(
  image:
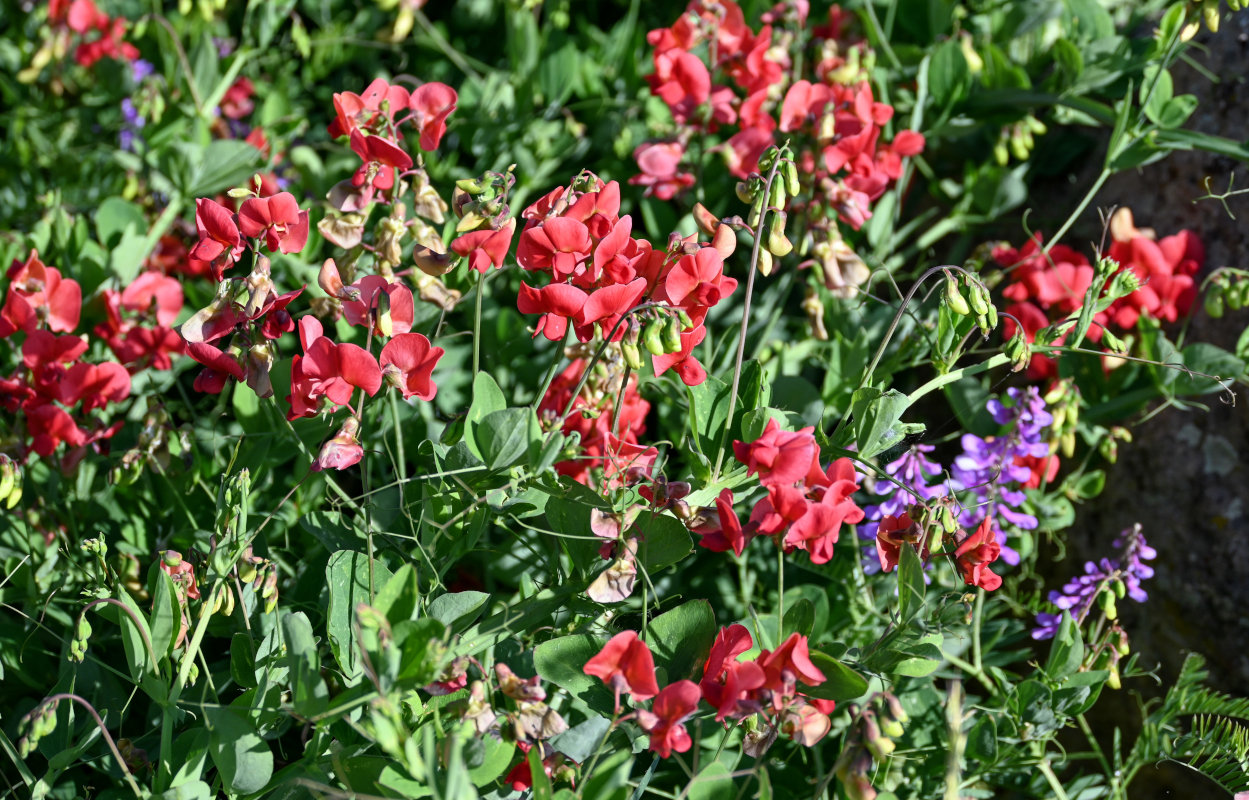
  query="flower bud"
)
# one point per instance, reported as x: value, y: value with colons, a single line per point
x: 652, y: 337
x: 672, y: 335
x: 1123, y: 284
x: 954, y: 298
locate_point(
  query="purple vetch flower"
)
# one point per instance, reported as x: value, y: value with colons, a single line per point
x: 140, y: 69
x: 132, y: 123
x: 1079, y: 594
x: 224, y: 46
x: 913, y: 471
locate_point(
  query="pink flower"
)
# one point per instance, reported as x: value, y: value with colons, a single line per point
x: 219, y: 242
x: 485, y: 248
x: 892, y: 534
x: 343, y: 450
x: 431, y: 104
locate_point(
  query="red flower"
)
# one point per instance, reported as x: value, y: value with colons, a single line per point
x: 96, y: 385
x: 237, y: 103
x: 726, y: 533
x: 688, y: 367
x: 381, y: 157
x: 328, y: 370
x: 660, y: 164
x: 606, y: 306
x: 778, y: 457
x: 671, y: 707
x: 359, y: 309
x: 154, y: 289
x: 48, y: 426
x: 626, y: 665
x: 353, y: 110
x: 727, y: 681
x: 219, y: 242
x: 788, y: 663
x: 697, y: 282
x: 819, y: 527
x: 559, y: 245
x: 891, y: 535
x: 218, y: 367
x: 278, y: 219
x: 343, y: 450
x: 485, y: 248
x: 804, y: 103
x: 431, y: 104
x: 556, y: 302
x: 408, y: 362
x: 976, y: 553
x: 38, y: 293
x: 1043, y: 468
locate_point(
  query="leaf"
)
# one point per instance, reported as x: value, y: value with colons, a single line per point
x: 454, y: 607
x: 166, y: 616
x: 910, y: 583
x: 799, y: 618
x: 561, y: 661
x: 487, y: 399
x: 224, y: 164
x: 503, y: 436
x: 715, y: 782
x: 114, y: 217
x: 309, y: 695
x: 400, y: 598
x: 1212, y: 360
x: 347, y: 574
x: 665, y: 541
x: 1067, y: 651
x: 841, y: 683
x: 242, y: 757
x: 681, y: 638
x: 132, y: 634
x: 496, y: 761
x: 982, y: 740
x: 581, y: 741
x: 948, y: 74
x: 877, y: 422
x: 243, y: 660
x: 191, y: 790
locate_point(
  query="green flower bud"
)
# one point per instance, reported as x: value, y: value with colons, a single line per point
x: 1214, y: 303
x: 954, y: 298
x: 653, y: 337
x: 790, y: 172
x: 672, y: 335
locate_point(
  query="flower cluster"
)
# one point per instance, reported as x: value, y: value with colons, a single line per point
x: 808, y: 86
x: 764, y: 688
x: 599, y: 273
x: 100, y: 36
x: 805, y: 505
x: 1046, y: 287
x: 1102, y: 582
x: 54, y: 390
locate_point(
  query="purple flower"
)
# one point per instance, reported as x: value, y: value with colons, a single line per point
x: 132, y: 123
x: 140, y: 69
x: 1080, y: 593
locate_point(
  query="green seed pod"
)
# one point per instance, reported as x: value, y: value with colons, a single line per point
x: 765, y: 262
x: 777, y: 244
x: 777, y: 196
x: 790, y: 171
x: 1119, y: 587
x: 1000, y: 153
x: 672, y: 335
x: 977, y: 298
x: 1214, y: 303
x: 743, y: 192
x: 632, y: 355
x: 653, y: 337
x: 954, y: 298
x: 992, y: 315
x: 756, y: 212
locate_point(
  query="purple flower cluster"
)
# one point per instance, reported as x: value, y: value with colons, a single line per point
x: 987, y: 465
x: 132, y: 123
x: 1080, y: 593
x: 911, y: 470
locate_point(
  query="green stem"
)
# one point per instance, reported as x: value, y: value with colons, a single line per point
x: 481, y: 290
x: 108, y: 738
x: 954, y: 375
x: 1052, y: 779
x: 1084, y: 203
x: 975, y: 631
x: 780, y: 595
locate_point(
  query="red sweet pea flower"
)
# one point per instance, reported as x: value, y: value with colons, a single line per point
x: 804, y: 103
x: 431, y: 104
x: 727, y: 681
x: 671, y: 707
x: 976, y: 553
x: 218, y: 367
x: 380, y: 99
x: 891, y: 535
x: 408, y: 362
x: 556, y: 302
x: 278, y: 219
x: 697, y: 282
x: 559, y: 245
x: 485, y: 248
x: 96, y: 385
x: 219, y: 242
x: 682, y: 81
x: 38, y: 294
x: 328, y: 370
x: 237, y: 103
x: 607, y: 305
x: 1043, y: 468
x: 778, y: 457
x: 154, y: 289
x: 789, y: 662
x: 382, y: 161
x: 818, y: 529
x: 660, y: 163
x: 688, y: 367
x: 48, y: 426
x: 358, y: 311
x: 726, y: 533
x: 783, y: 506
x: 626, y: 665
x: 343, y: 450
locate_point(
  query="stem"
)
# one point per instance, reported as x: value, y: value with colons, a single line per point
x: 1101, y: 757
x: 975, y: 631
x: 741, y: 335
x: 151, y: 651
x: 1084, y: 203
x: 112, y: 746
x: 780, y: 595
x: 954, y: 375
x: 954, y: 752
x: 1052, y: 779
x: 481, y: 290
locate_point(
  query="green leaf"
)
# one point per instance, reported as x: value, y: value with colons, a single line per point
x: 114, y: 217
x: 841, y: 683
x: 309, y: 695
x: 455, y: 607
x: 681, y: 638
x: 582, y: 741
x: 503, y: 436
x: 541, y: 781
x: 225, y: 163
x: 132, y: 633
x: 877, y: 418
x: 910, y: 583
x: 1067, y: 651
x: 1177, y: 111
x: 496, y: 761
x: 709, y: 407
x: 421, y: 650
x: 487, y: 399
x: 400, y: 598
x: 562, y: 660
x: 191, y: 790
x: 1212, y: 360
x: 242, y: 757
x: 166, y: 616
x: 1156, y: 91
x: 799, y: 618
x: 243, y: 660
x: 948, y: 74
x: 665, y: 541
x: 347, y: 574
x: 714, y: 782
x: 982, y: 740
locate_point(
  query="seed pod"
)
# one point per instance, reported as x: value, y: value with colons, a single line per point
x: 1000, y: 153
x: 954, y: 298
x: 756, y: 212
x: 777, y: 244
x: 976, y: 297
x: 652, y: 337
x: 790, y: 171
x: 777, y: 196
x: 672, y: 335
x: 632, y: 355
x: 765, y: 262
x: 1119, y: 587
x: 743, y: 192
x: 1214, y: 303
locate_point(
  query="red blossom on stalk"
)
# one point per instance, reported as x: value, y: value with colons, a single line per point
x: 789, y: 662
x: 557, y: 303
x: 408, y: 362
x: 683, y: 362
x: 892, y: 535
x: 220, y: 244
x: 626, y: 665
x: 485, y: 248
x: 661, y: 174
x: 663, y: 721
x: 778, y: 457
x: 37, y: 296
x: 278, y: 219
x: 431, y: 104
x: 379, y: 101
x: 974, y: 555
x: 383, y: 160
x: 328, y: 370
